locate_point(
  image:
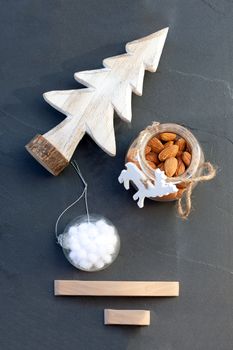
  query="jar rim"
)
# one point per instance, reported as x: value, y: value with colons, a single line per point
x: 157, y: 128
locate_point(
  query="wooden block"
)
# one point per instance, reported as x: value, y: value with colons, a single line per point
x: 116, y: 288
x: 47, y: 155
x: 127, y: 317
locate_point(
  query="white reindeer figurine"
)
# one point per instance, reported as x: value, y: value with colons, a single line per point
x: 145, y: 187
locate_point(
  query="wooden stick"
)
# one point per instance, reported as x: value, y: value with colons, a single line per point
x: 127, y: 317
x: 116, y: 288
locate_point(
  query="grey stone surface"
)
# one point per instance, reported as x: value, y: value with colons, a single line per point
x: 42, y: 44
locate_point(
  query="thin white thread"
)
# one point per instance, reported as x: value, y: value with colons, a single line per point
x: 75, y: 164
x: 84, y: 193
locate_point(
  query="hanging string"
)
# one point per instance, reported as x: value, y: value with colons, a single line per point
x: 83, y: 194
x: 76, y: 167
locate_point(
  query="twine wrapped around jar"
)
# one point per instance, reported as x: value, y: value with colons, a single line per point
x: 184, y: 210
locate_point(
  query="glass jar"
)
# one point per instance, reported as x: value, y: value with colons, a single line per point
x: 136, y: 155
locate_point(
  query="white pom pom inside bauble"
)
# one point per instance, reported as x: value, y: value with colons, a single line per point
x: 90, y: 244
x: 82, y: 254
x: 110, y: 249
x: 85, y: 264
x: 83, y: 227
x: 99, y: 264
x: 73, y: 242
x: 93, y: 258
x: 73, y: 230
x: 74, y: 257
x: 92, y: 247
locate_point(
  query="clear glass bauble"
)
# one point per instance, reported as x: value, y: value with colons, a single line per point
x: 90, y: 243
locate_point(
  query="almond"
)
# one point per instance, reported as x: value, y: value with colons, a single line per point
x: 181, y: 185
x: 152, y: 157
x: 167, y: 136
x: 161, y: 166
x: 147, y: 149
x: 170, y: 197
x: 169, y: 143
x: 170, y: 166
x: 156, y: 145
x: 168, y: 152
x: 188, y: 148
x: 160, y: 152
x: 181, y: 143
x: 180, y: 168
x: 179, y: 154
x: 174, y: 195
x: 186, y: 157
x: 151, y: 164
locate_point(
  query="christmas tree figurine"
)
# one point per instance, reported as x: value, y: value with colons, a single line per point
x: 90, y: 110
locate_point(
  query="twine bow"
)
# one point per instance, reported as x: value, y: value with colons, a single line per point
x: 209, y: 172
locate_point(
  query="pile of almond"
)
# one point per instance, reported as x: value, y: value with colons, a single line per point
x: 168, y: 152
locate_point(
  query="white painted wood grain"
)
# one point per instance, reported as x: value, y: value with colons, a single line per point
x: 90, y: 110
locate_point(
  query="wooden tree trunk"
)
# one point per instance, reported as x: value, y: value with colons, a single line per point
x: 54, y: 149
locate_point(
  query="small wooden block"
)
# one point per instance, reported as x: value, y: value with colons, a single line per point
x: 116, y: 288
x: 127, y: 317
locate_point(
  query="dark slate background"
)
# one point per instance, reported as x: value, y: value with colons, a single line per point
x: 42, y: 44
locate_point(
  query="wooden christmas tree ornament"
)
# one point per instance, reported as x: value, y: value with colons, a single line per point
x: 90, y: 110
